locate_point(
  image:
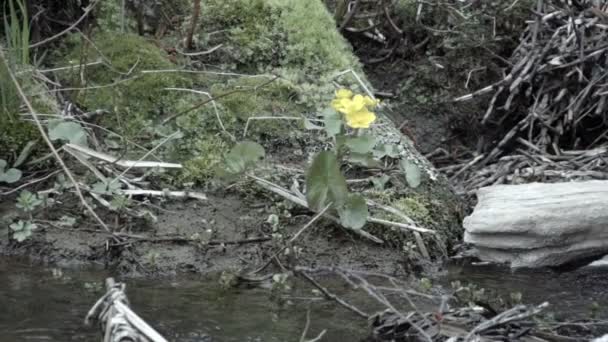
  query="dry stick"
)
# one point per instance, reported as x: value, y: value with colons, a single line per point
x: 294, y: 237
x: 306, y: 327
x: 301, y: 201
x: 87, y: 10
x: 380, y: 298
x: 332, y: 296
x: 202, y: 103
x: 50, y: 144
x: 349, y: 16
x: 30, y: 183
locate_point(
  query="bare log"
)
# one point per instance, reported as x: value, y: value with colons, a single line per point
x: 535, y: 225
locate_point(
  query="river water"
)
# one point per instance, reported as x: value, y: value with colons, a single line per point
x: 45, y: 304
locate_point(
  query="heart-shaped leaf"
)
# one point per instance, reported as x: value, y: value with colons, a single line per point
x: 413, y: 176
x: 243, y: 155
x: 324, y: 182
x: 380, y: 182
x: 362, y: 144
x: 69, y: 131
x: 10, y: 176
x: 353, y: 214
x: 386, y: 150
x: 363, y: 159
x: 332, y: 121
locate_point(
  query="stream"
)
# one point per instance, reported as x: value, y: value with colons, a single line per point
x: 48, y: 304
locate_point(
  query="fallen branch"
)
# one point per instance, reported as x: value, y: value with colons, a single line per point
x: 122, y: 163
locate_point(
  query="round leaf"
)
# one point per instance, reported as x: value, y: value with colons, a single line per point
x: 70, y: 131
x: 354, y: 213
x: 362, y: 144
x: 324, y: 182
x: 332, y: 121
x: 10, y: 176
x: 244, y: 155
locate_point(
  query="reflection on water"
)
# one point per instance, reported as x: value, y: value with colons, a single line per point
x: 571, y: 294
x: 37, y: 304
x: 42, y: 304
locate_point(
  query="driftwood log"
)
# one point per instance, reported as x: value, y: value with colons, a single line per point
x: 535, y: 225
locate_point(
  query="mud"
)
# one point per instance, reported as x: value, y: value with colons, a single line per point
x: 230, y: 216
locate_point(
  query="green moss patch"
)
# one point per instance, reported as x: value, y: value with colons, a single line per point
x: 15, y: 130
x: 292, y: 40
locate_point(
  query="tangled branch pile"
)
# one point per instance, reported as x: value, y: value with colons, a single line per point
x: 550, y: 108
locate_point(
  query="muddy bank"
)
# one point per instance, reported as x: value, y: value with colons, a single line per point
x: 239, y: 239
x: 142, y: 97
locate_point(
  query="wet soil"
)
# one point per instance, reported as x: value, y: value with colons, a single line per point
x: 233, y: 219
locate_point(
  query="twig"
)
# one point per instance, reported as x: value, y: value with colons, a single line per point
x: 122, y: 163
x: 202, y: 103
x: 87, y: 10
x: 332, y: 296
x: 46, y: 139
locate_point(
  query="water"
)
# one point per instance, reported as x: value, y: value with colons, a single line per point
x: 45, y: 304
x: 39, y: 304
x: 570, y: 294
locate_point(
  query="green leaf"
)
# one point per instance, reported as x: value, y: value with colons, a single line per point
x: 243, y: 155
x: 332, y: 121
x: 22, y: 230
x: 28, y: 201
x: 25, y: 153
x: 324, y: 182
x: 363, y: 159
x: 353, y: 214
x: 380, y: 182
x: 2, y: 165
x: 21, y: 236
x: 413, y: 176
x: 69, y: 131
x: 18, y: 226
x: 386, y: 150
x: 10, y: 176
x: 361, y: 144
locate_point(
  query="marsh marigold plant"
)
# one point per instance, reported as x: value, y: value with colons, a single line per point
x: 355, y: 108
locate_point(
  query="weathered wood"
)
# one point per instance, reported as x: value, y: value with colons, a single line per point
x: 535, y: 225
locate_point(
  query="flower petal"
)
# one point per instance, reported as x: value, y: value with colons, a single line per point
x: 360, y: 119
x: 340, y: 105
x: 343, y: 94
x: 370, y: 102
x: 356, y: 104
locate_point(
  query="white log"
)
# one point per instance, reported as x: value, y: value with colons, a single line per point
x: 535, y: 225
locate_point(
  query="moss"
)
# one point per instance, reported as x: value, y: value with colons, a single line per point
x: 253, y: 99
x: 296, y: 40
x: 15, y: 132
x: 210, y: 151
x: 135, y: 99
x: 430, y: 205
x: 416, y: 207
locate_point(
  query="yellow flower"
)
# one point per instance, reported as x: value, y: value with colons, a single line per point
x: 360, y: 119
x: 343, y: 94
x: 370, y: 102
x: 355, y: 108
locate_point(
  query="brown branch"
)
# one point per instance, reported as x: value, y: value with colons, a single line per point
x: 195, y: 14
